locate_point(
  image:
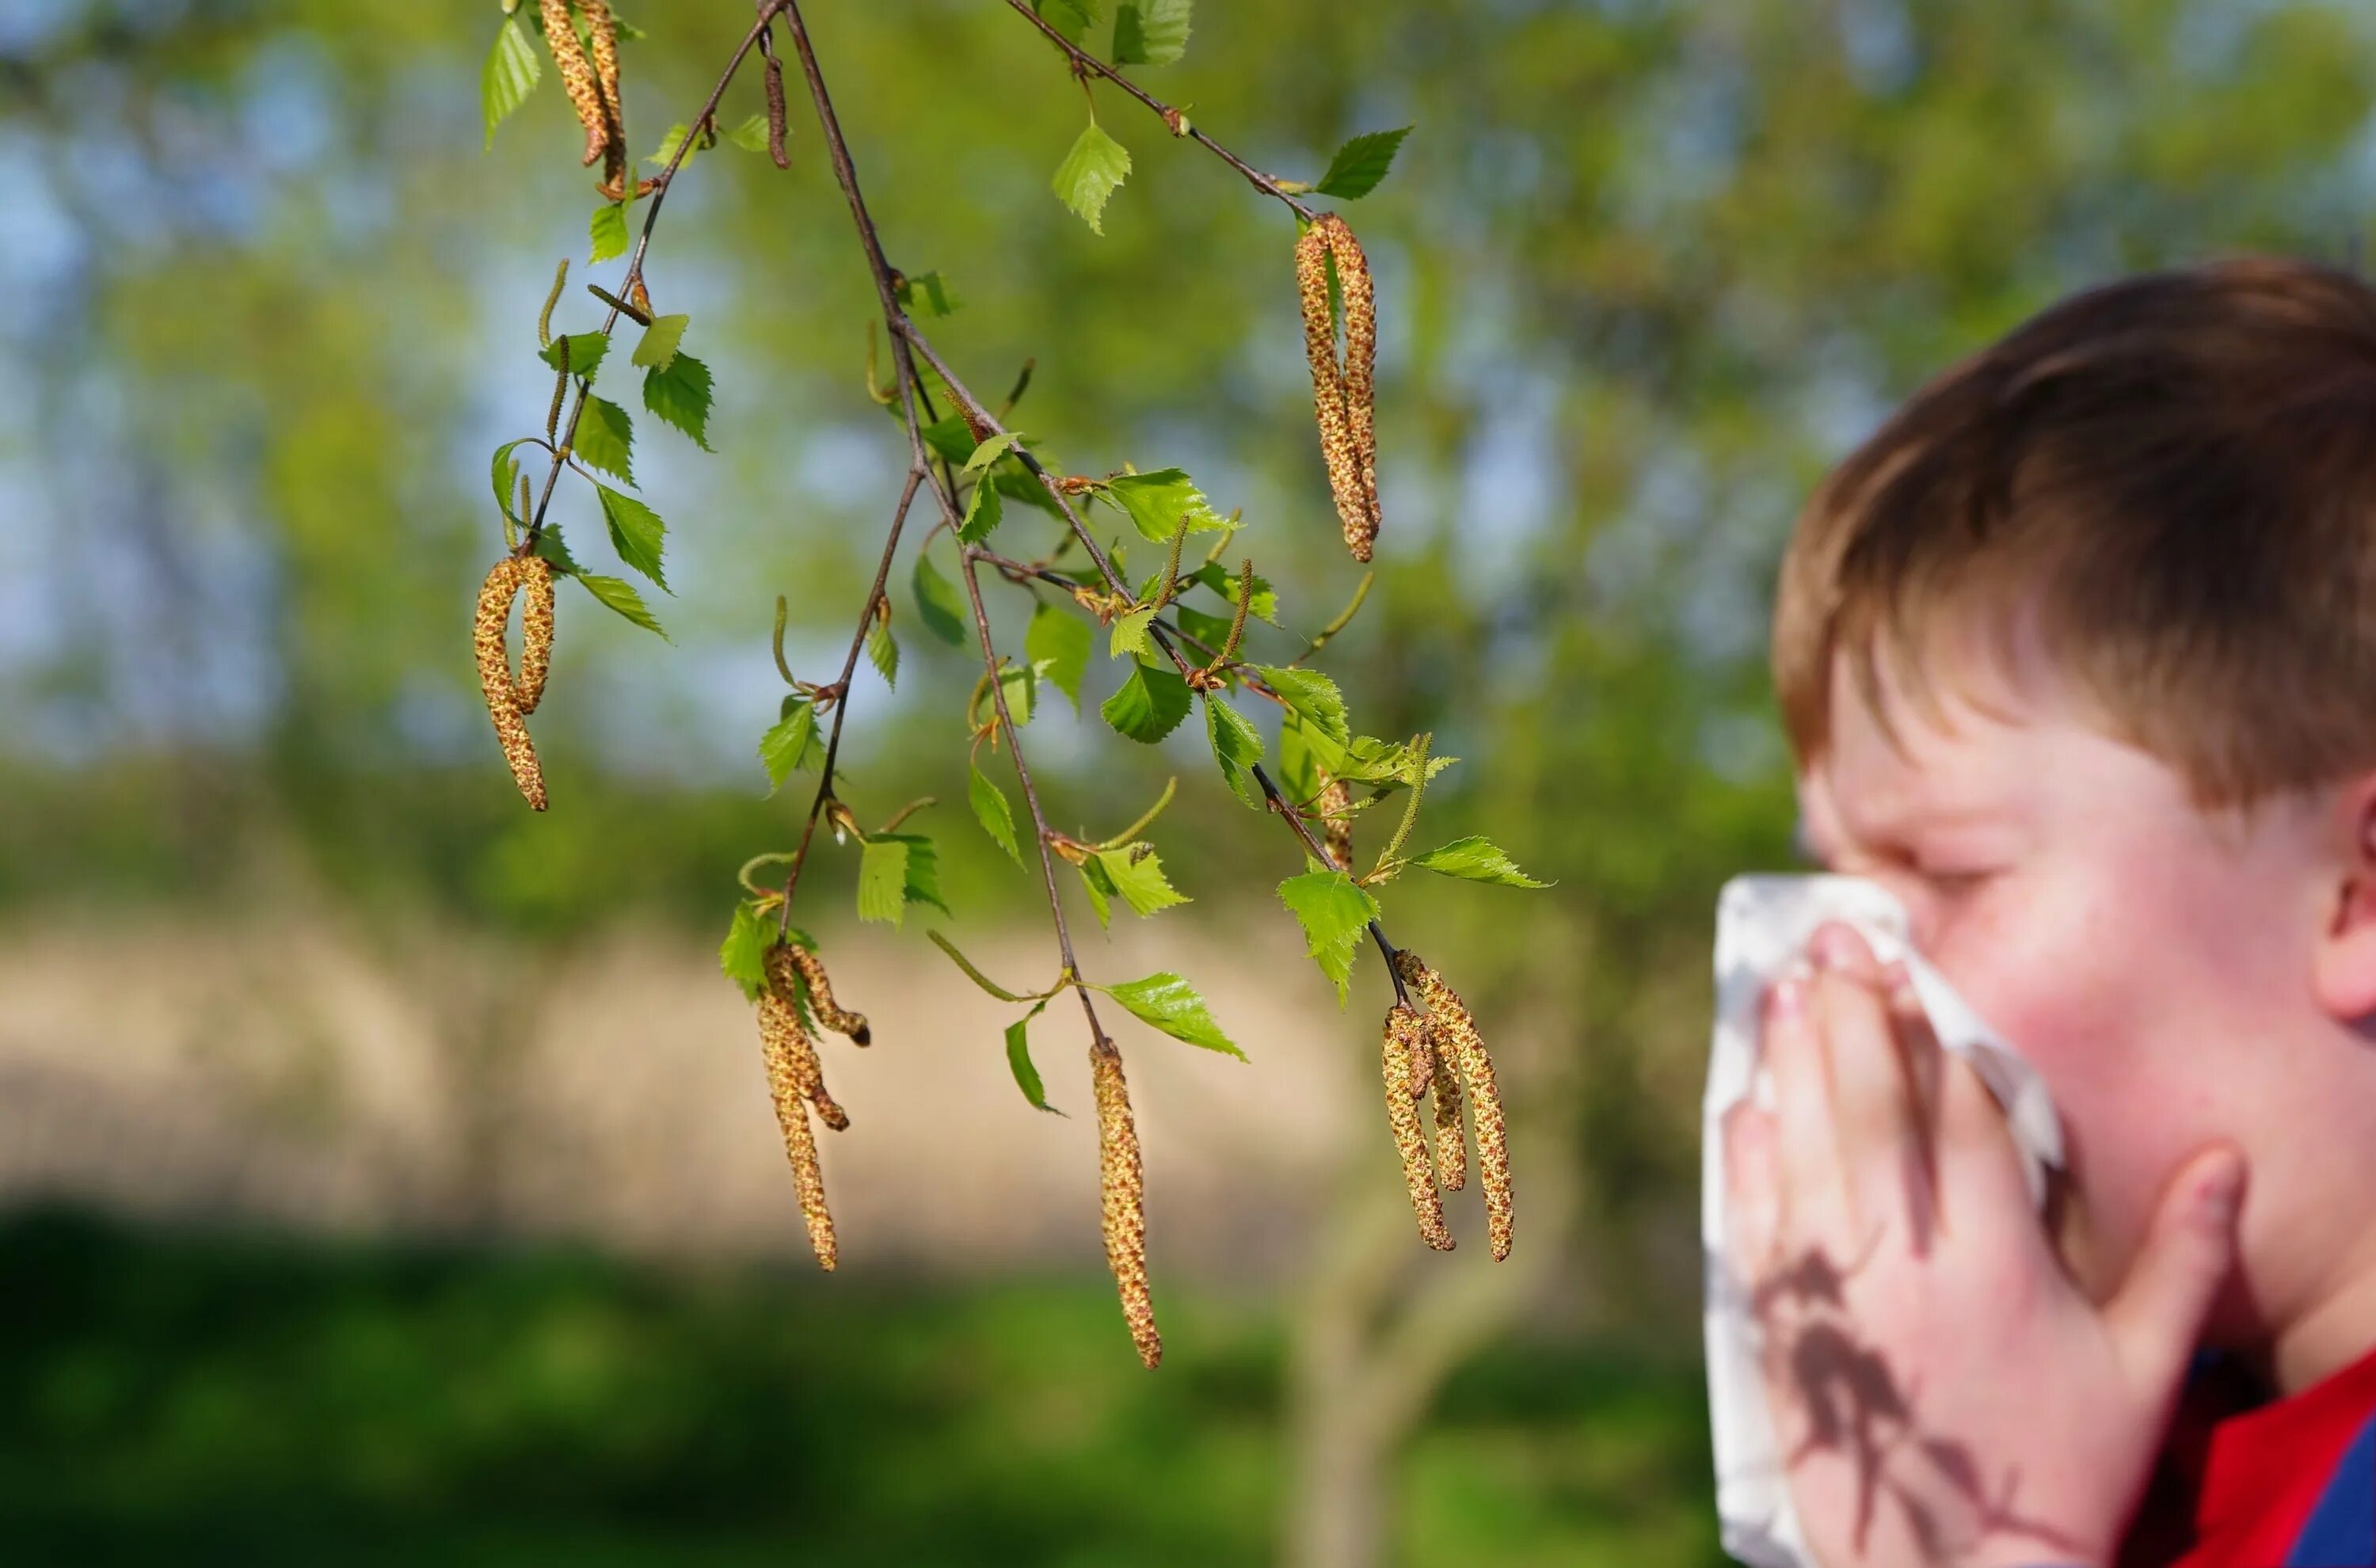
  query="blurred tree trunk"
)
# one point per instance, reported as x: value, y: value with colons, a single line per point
x: 1383, y: 1322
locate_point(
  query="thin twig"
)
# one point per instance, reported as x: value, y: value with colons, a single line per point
x: 841, y: 707
x: 767, y: 9
x: 1172, y: 119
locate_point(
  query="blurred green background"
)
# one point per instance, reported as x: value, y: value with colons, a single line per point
x: 321, y: 1243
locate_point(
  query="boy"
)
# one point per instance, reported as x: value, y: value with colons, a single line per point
x: 2078, y: 657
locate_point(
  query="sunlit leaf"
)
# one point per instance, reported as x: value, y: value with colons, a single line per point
x: 678, y: 394
x: 1361, y: 163
x: 1059, y: 641
x: 1158, y: 503
x: 744, y: 955
x: 620, y: 595
x: 1019, y: 1060
x: 991, y: 809
x: 510, y: 75
x: 636, y: 532
x: 1313, y: 696
x: 1150, y: 33
x: 1478, y: 859
x: 937, y: 603
x: 1335, y: 915
x: 1175, y: 1006
x: 1136, y: 872
x: 585, y: 351
x: 1237, y: 746
x: 1090, y: 172
x: 788, y: 742
x: 1149, y: 705
x: 607, y: 230
x: 606, y: 438
x: 660, y: 341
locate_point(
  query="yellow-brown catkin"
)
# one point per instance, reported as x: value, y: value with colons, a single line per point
x: 1335, y: 806
x: 777, y: 126
x: 504, y: 579
x: 777, y: 1001
x: 1455, y: 1034
x: 1361, y: 371
x: 578, y: 78
x: 602, y: 30
x: 1450, y: 1138
x: 776, y: 1050
x: 834, y: 1016
x: 1124, y: 1189
x: 1404, y: 1037
x: 536, y: 632
x: 1336, y: 446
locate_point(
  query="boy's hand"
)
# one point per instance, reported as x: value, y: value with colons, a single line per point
x: 1942, y: 1392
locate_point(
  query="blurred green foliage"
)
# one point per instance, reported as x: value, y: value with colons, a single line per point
x: 226, y: 1399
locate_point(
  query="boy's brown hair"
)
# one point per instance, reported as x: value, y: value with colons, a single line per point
x: 2171, y: 483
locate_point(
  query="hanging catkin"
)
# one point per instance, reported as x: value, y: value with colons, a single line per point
x: 1405, y: 1038
x: 504, y: 580
x: 578, y: 78
x: 1336, y: 805
x: 536, y: 632
x: 779, y: 1010
x: 1455, y: 1035
x: 1343, y: 392
x: 602, y: 29
x: 1123, y: 1187
x: 833, y: 1017
x: 779, y: 1032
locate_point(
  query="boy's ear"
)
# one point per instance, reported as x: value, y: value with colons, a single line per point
x: 2345, y: 973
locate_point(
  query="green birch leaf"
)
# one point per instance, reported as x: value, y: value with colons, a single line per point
x: 1334, y: 914
x: 550, y: 546
x: 1019, y: 484
x: 621, y: 596
x: 1149, y: 705
x: 1157, y: 502
x: 922, y: 882
x: 1071, y: 18
x: 505, y: 473
x: 1175, y: 1006
x: 1090, y: 172
x: 883, y: 880
x: 991, y: 450
x: 669, y: 142
x: 744, y: 955
x: 585, y: 351
x: 636, y: 532
x: 982, y: 514
x: 882, y: 652
x: 1136, y: 872
x: 1313, y: 696
x: 1130, y: 633
x: 1237, y: 746
x: 1213, y: 631
x: 991, y: 809
x: 510, y: 75
x: 1019, y: 684
x: 751, y: 136
x: 606, y: 439
x: 947, y: 439
x: 1299, y: 773
x: 1476, y: 859
x: 1226, y: 584
x: 608, y: 230
x: 661, y: 340
x: 1361, y: 163
x: 1150, y: 33
x: 1019, y: 1060
x: 678, y: 394
x: 786, y: 745
x: 1100, y: 889
x: 937, y: 604
x: 1059, y: 642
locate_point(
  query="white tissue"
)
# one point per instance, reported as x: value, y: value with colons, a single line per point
x: 1762, y: 926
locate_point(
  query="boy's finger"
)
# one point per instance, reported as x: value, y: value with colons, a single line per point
x: 1751, y: 1187
x: 1883, y: 1148
x: 1812, y: 1191
x: 2157, y: 1315
x: 1977, y: 1164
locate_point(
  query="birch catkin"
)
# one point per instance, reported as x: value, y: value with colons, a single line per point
x: 782, y: 988
x: 1451, y: 1140
x: 578, y: 78
x: 832, y: 1016
x: 1405, y: 1038
x: 536, y: 632
x: 504, y: 580
x: 1455, y: 1034
x: 602, y: 29
x: 1343, y: 392
x: 1123, y: 1187
x: 1335, y: 804
x: 779, y: 1052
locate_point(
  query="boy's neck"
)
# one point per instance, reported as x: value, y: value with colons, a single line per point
x: 2337, y: 1329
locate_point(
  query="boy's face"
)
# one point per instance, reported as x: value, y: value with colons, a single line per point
x: 2153, y: 962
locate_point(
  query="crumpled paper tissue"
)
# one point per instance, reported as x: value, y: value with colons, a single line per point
x: 1763, y: 927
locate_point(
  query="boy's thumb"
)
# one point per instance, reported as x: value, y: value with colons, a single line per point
x: 2157, y: 1315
